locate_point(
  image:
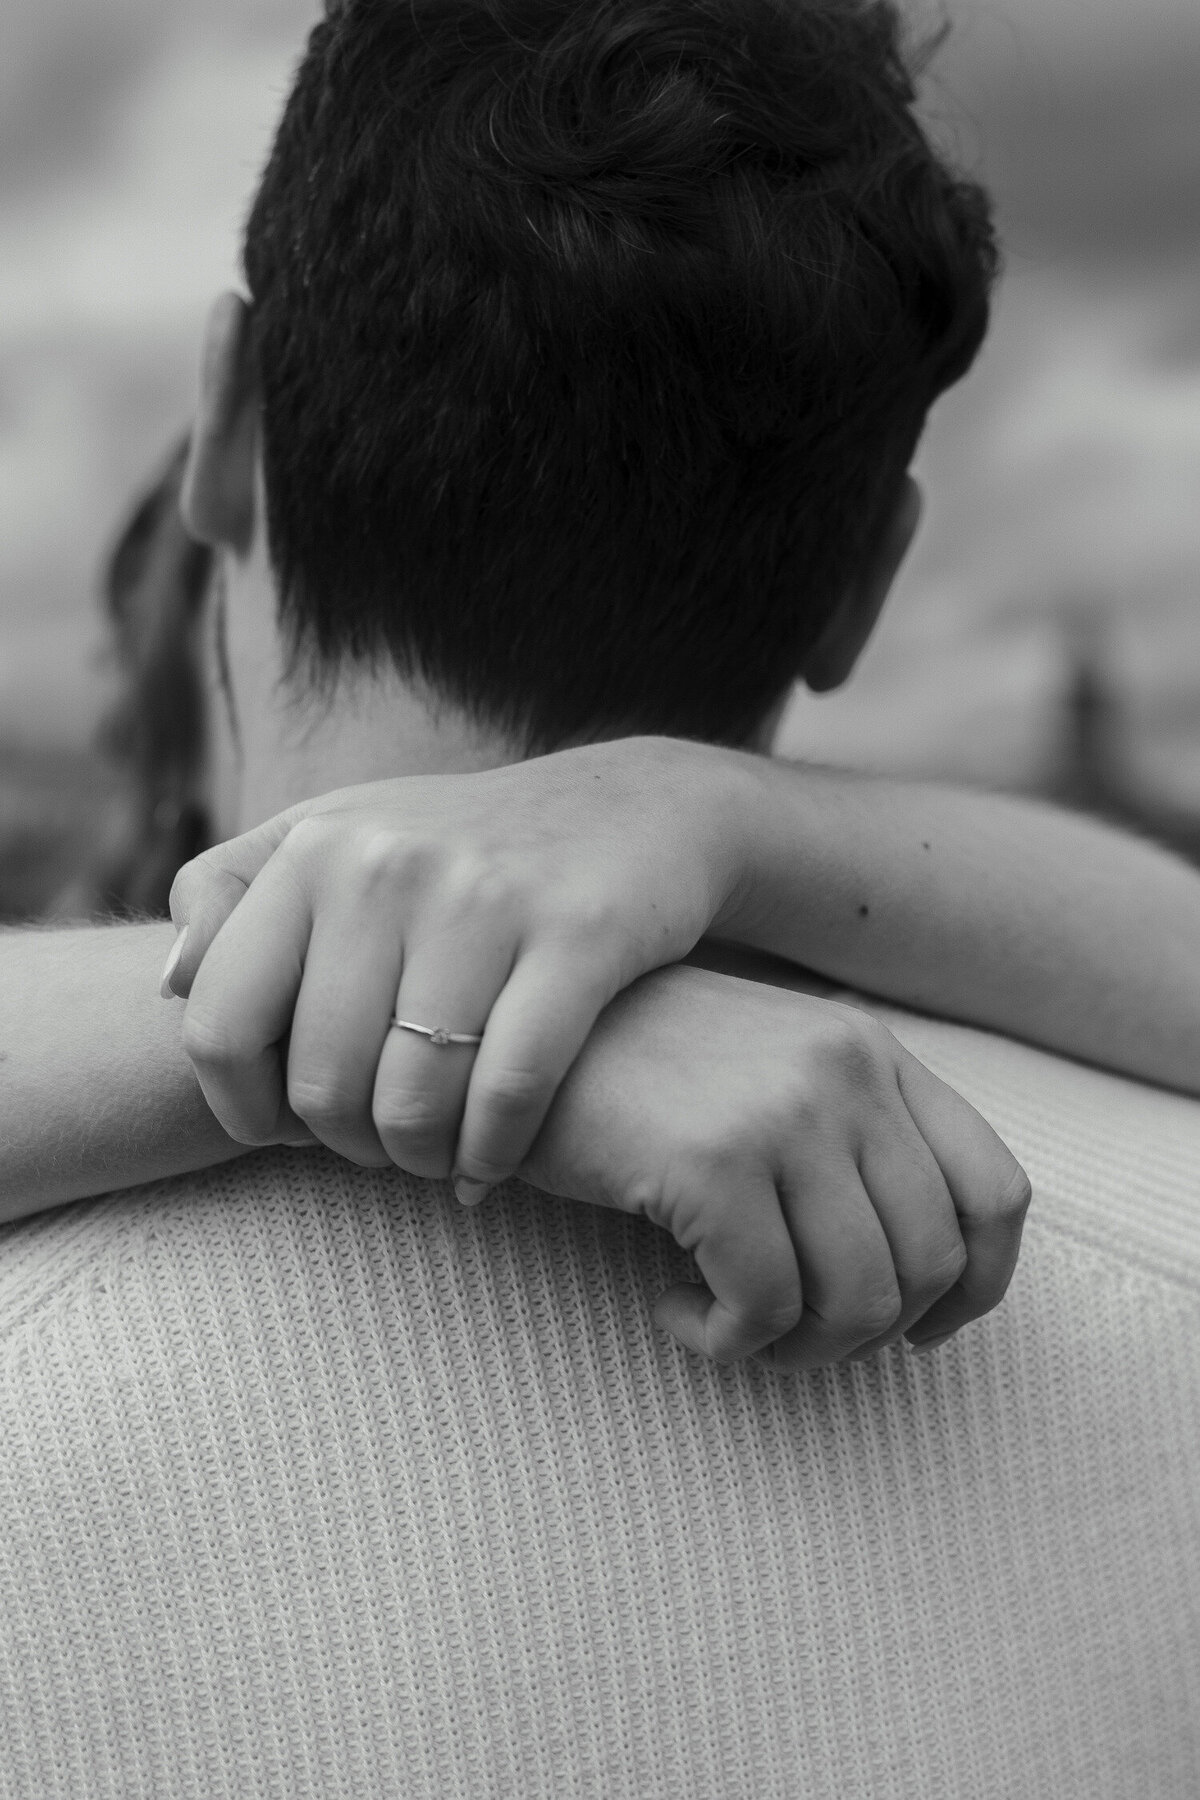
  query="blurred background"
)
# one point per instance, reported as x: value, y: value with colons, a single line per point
x: 1046, y: 635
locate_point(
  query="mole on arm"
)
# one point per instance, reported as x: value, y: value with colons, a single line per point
x: 863, y: 911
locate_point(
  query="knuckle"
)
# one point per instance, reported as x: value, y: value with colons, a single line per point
x: 1017, y: 1194
x: 876, y: 1314
x: 848, y: 1321
x: 944, y: 1271
x: 779, y: 1316
x: 510, y: 1094
x: 857, y: 1047
x: 806, y: 1112
x: 851, y: 1047
x: 689, y: 1192
x: 1007, y: 1199
x: 476, y: 878
x: 645, y: 1195
x: 387, y: 856
x: 307, y: 836
x: 320, y: 1101
x: 466, y: 879
x: 410, y: 1120
x: 212, y: 1043
x: 955, y: 1265
x: 756, y: 1329
x: 194, y: 874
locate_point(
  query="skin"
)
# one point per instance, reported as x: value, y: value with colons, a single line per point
x: 834, y: 1194
x: 785, y: 1216
x: 833, y: 1197
x: 518, y: 901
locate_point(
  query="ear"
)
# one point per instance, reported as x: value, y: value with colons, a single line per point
x: 841, y: 643
x: 218, y: 484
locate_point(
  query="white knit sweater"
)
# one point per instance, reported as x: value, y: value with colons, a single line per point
x: 314, y: 1484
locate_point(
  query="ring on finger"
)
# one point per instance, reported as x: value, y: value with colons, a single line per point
x: 440, y: 1035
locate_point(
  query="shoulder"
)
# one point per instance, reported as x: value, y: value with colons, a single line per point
x: 305, y: 1235
x: 439, y: 1454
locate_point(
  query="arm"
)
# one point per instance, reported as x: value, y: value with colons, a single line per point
x: 834, y: 1194
x: 516, y: 903
x: 95, y: 1089
x: 1002, y: 912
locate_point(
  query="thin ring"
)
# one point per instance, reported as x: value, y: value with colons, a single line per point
x: 437, y: 1034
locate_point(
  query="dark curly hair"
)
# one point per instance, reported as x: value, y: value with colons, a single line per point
x: 594, y: 339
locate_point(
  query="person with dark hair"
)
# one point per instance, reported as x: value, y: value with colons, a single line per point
x: 604, y: 338
x: 566, y: 427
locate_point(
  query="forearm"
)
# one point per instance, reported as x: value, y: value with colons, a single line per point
x: 1002, y: 912
x: 95, y: 1090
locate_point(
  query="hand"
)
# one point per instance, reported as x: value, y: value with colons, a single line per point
x: 513, y: 904
x: 834, y: 1192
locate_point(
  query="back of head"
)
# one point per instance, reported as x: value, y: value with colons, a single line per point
x: 594, y: 341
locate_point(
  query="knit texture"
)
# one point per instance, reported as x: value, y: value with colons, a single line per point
x: 314, y: 1484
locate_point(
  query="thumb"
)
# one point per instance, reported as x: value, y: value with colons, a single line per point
x: 683, y: 1312
x: 205, y: 892
x: 693, y: 1315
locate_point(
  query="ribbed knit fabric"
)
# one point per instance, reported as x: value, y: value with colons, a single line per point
x: 314, y: 1484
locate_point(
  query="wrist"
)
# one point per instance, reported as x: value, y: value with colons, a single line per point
x: 708, y: 793
x: 741, y: 786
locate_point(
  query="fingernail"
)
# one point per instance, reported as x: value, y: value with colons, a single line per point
x: 470, y: 1193
x: 172, y: 962
x: 932, y: 1343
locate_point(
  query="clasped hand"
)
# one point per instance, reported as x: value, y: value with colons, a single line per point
x: 833, y: 1192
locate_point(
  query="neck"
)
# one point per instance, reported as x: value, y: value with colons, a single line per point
x: 283, y: 745
x: 370, y: 728
x: 290, y: 746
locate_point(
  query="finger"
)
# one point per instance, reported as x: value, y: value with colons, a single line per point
x: 753, y: 1295
x: 241, y: 1006
x: 537, y: 1027
x: 341, y: 1019
x: 851, y: 1293
x: 913, y: 1204
x: 450, y: 982
x: 989, y: 1188
x: 205, y: 892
